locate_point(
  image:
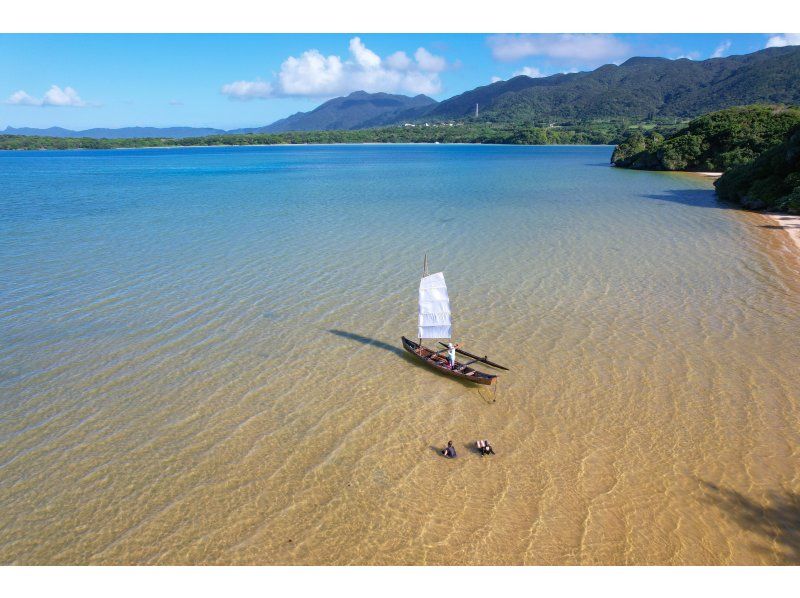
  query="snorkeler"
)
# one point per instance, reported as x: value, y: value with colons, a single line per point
x: 484, y: 447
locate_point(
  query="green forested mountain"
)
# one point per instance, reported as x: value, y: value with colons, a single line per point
x: 638, y: 89
x: 717, y: 141
x: 359, y: 110
x: 771, y: 181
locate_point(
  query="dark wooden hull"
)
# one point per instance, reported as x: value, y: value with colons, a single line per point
x: 440, y: 363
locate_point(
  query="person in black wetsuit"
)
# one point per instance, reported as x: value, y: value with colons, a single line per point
x: 487, y: 449
x: 449, y: 451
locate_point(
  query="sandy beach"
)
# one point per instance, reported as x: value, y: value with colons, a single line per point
x: 788, y: 223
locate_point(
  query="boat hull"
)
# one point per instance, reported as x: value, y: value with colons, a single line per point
x: 441, y: 364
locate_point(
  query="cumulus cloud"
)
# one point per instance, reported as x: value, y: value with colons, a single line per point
x: 689, y: 56
x: 398, y: 61
x: 55, y: 96
x: 784, y: 39
x: 22, y: 98
x: 313, y: 74
x: 563, y: 47
x: 495, y: 79
x: 529, y: 71
x: 247, y: 90
x: 363, y: 56
x: 429, y: 62
x: 721, y: 49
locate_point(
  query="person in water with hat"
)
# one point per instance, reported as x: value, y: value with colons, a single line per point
x: 449, y: 450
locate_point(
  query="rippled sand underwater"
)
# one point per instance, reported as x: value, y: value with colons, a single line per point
x: 200, y: 361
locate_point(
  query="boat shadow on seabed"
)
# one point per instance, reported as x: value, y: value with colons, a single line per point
x: 365, y: 340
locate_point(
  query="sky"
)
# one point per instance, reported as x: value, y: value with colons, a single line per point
x: 229, y: 81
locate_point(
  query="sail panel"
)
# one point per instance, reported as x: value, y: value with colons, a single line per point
x: 434, y: 308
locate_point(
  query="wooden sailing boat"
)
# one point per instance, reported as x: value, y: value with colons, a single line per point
x: 435, y: 323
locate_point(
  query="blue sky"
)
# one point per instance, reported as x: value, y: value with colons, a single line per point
x: 241, y: 80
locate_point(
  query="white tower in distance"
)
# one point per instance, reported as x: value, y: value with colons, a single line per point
x: 476, y: 110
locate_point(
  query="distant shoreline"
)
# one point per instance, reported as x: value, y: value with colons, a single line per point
x: 218, y: 145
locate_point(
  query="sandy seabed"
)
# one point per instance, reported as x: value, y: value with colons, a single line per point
x: 200, y: 362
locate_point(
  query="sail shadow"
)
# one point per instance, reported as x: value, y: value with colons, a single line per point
x: 365, y: 340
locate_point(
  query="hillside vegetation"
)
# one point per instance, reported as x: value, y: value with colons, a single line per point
x: 714, y: 142
x: 771, y: 181
x: 359, y: 110
x: 639, y: 89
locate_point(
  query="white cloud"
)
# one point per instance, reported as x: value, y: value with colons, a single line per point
x: 495, y: 79
x: 175, y: 103
x: 247, y: 90
x: 311, y: 74
x: 55, y: 96
x: 721, y: 49
x: 564, y: 46
x: 314, y: 75
x: 363, y: 56
x: 689, y: 55
x: 398, y: 61
x: 784, y: 39
x: 21, y: 98
x: 529, y: 71
x: 429, y: 62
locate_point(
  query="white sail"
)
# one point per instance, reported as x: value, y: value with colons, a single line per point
x: 434, y: 307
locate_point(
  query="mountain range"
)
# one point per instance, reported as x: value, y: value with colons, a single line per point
x: 359, y: 110
x: 123, y: 133
x: 639, y: 88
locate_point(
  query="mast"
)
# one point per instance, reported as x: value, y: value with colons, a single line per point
x: 424, y: 274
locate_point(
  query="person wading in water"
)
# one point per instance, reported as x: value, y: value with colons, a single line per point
x: 449, y: 450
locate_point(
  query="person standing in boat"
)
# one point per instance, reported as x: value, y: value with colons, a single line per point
x: 451, y: 355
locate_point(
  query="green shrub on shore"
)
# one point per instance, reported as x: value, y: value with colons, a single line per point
x: 771, y: 181
x: 717, y: 141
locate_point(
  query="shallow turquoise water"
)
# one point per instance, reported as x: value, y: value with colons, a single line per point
x: 199, y: 358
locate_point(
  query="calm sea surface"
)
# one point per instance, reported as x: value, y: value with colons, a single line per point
x: 200, y: 361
